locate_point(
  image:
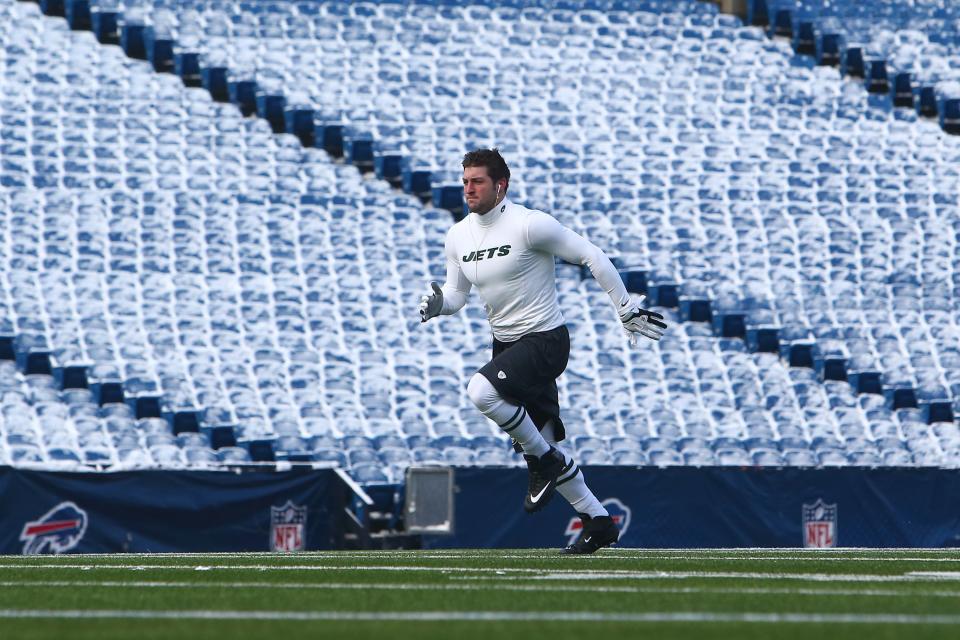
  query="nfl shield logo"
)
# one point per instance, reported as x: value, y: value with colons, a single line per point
x: 819, y: 525
x: 288, y: 528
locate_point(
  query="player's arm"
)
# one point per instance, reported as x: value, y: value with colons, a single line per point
x: 451, y: 297
x: 545, y: 234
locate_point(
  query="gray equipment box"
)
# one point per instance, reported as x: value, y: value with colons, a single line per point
x: 428, y: 507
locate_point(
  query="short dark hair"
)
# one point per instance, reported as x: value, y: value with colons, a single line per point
x: 496, y: 166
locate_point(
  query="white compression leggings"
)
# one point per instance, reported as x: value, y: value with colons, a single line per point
x: 515, y: 421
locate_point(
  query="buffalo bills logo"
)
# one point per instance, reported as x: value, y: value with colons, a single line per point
x: 618, y: 511
x: 819, y: 525
x: 288, y: 528
x: 57, y: 531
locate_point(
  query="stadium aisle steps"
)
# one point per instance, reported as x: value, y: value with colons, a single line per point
x: 894, y: 60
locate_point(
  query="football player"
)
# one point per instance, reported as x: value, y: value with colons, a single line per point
x: 507, y: 251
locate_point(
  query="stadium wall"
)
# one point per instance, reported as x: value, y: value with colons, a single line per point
x: 167, y: 511
x: 689, y: 507
x: 676, y: 507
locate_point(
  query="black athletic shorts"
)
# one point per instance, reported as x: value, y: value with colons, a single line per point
x: 525, y: 373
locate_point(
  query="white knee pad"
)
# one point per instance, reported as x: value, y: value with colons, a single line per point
x: 482, y: 394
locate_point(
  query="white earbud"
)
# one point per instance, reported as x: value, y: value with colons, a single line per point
x: 498, y: 191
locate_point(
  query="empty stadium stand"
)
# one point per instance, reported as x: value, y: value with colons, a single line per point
x: 905, y: 51
x: 187, y: 286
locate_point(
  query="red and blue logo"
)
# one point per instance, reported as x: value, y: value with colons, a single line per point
x: 819, y: 525
x: 57, y: 531
x: 618, y: 511
x: 288, y: 527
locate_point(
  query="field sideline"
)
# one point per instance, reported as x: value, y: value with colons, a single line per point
x: 752, y: 593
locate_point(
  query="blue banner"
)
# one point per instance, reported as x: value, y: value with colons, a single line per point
x: 688, y: 507
x: 166, y: 511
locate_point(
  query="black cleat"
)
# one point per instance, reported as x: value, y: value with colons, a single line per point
x: 542, y: 473
x: 597, y: 533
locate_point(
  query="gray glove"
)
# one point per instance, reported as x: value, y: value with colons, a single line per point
x: 639, y: 321
x: 431, y: 305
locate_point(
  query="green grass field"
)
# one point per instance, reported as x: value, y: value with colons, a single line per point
x: 485, y: 594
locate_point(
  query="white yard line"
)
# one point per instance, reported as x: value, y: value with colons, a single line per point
x: 260, y: 567
x: 399, y: 556
x: 803, y: 557
x: 845, y: 553
x: 744, y: 575
x: 619, y: 555
x: 727, y: 575
x: 528, y: 574
x: 488, y: 616
x: 485, y: 585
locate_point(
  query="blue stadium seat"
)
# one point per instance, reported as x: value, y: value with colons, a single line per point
x: 369, y: 474
x: 233, y: 455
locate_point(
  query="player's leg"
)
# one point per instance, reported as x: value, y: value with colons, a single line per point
x: 571, y: 484
x: 512, y: 418
x: 544, y: 462
x: 598, y: 530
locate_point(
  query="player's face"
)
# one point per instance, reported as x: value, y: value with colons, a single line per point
x: 479, y: 189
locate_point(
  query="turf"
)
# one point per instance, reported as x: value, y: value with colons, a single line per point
x: 481, y: 593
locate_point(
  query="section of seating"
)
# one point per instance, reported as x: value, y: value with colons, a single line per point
x: 163, y: 248
x: 232, y: 287
x: 877, y: 21
x: 906, y: 50
x: 45, y: 426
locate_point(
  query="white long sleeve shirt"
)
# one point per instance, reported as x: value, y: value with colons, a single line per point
x: 508, y: 254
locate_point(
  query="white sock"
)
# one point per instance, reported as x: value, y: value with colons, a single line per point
x: 573, y: 487
x: 511, y: 418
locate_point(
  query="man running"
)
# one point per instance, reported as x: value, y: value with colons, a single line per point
x: 508, y: 251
